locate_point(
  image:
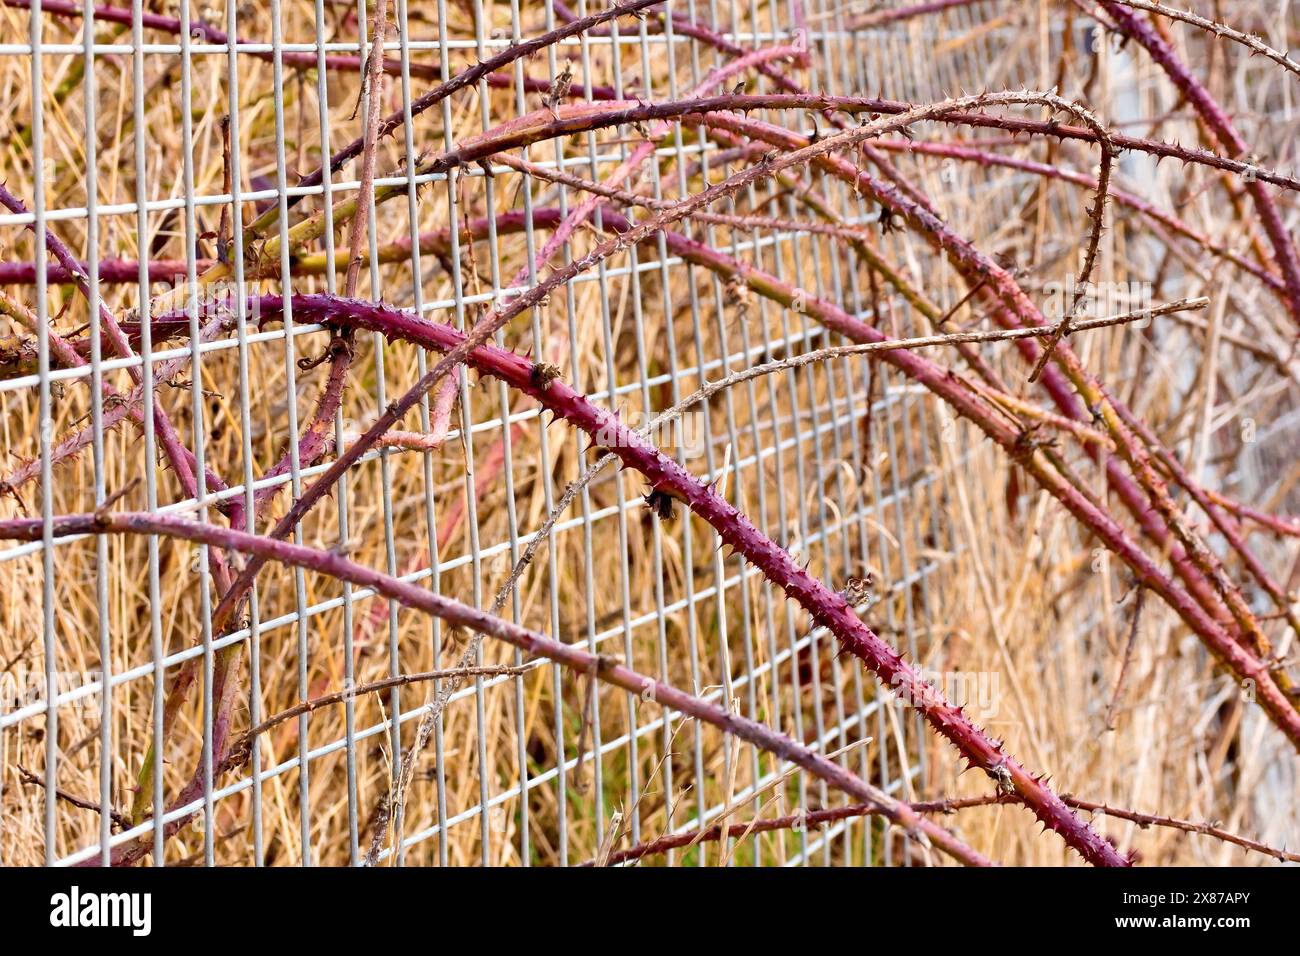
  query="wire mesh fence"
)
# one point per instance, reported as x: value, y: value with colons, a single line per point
x: 149, y: 136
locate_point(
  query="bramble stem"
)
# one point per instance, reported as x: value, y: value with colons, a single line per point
x: 827, y: 608
x: 567, y: 655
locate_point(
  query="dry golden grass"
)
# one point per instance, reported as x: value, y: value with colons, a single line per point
x: 977, y: 571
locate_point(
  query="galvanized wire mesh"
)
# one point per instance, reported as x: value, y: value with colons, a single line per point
x: 836, y: 462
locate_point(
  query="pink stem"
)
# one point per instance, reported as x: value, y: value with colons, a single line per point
x: 568, y: 655
x: 985, y: 158
x: 467, y: 78
x: 882, y: 17
x: 827, y: 608
x: 1283, y: 248
x: 1013, y: 308
x: 302, y: 60
x: 182, y: 461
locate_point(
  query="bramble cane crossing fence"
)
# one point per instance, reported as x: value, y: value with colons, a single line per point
x: 180, y: 152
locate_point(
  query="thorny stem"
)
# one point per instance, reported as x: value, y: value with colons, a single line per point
x: 463, y: 80
x: 127, y: 270
x: 1230, y: 531
x: 1194, y: 563
x: 513, y: 221
x: 35, y: 779
x: 561, y: 234
x: 1274, y: 698
x: 181, y: 461
x: 306, y: 60
x: 496, y: 318
x: 240, y: 748
x: 566, y: 655
x: 1136, y: 455
x: 1278, y: 524
x: 373, y: 98
x: 180, y: 458
x: 1100, y: 135
x: 818, y: 818
x: 67, y: 353
x: 880, y: 18
x: 969, y: 153
x: 709, y: 389
x: 828, y: 608
x: 1113, y: 416
x: 1281, y: 526
x: 1283, y: 247
x: 1096, y: 213
x: 1117, y: 694
x: 116, y: 411
x: 882, y: 659
x: 578, y: 118
x: 312, y: 442
x: 1218, y: 29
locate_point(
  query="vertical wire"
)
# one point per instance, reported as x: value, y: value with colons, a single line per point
x: 688, y: 559
x: 809, y: 334
x: 89, y: 97
x: 245, y: 420
x: 291, y: 427
x: 548, y: 478
x: 45, y: 412
x: 757, y: 427
x: 620, y: 497
x: 862, y: 59
x: 507, y: 469
x: 466, y: 417
x: 417, y: 304
x: 729, y: 406
x: 365, y: 205
x: 849, y: 54
x: 814, y: 331
x: 802, y: 532
x: 147, y: 418
x: 657, y: 536
x: 340, y: 440
x: 839, y: 425
x: 638, y: 328
x: 675, y: 393
x: 562, y: 795
x: 592, y: 717
x: 507, y: 461
x: 471, y: 504
x: 770, y: 352
x: 814, y: 410
x: 197, y: 410
x: 710, y: 537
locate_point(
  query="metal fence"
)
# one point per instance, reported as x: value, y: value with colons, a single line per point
x: 838, y: 463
